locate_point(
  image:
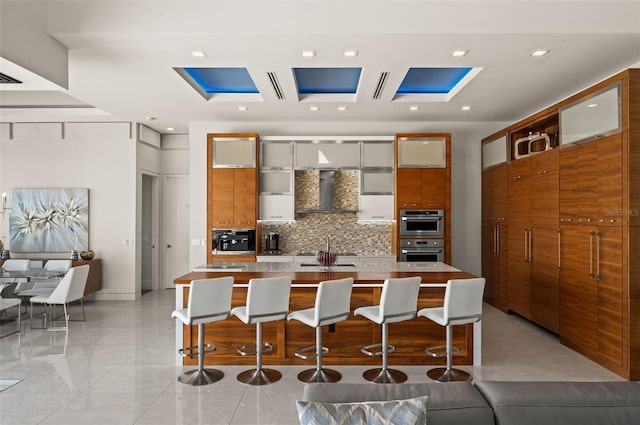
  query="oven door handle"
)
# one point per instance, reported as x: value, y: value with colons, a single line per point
x: 434, y: 218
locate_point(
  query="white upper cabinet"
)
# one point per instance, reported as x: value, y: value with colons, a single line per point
x: 276, y: 182
x: 234, y: 152
x: 595, y: 116
x: 494, y: 152
x: 277, y: 208
x: 376, y: 181
x: 276, y: 154
x: 327, y: 154
x: 376, y: 208
x: 417, y: 152
x: 377, y: 154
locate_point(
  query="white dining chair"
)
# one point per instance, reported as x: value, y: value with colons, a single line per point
x: 70, y: 289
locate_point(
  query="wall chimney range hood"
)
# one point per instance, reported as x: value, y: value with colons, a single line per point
x: 327, y: 195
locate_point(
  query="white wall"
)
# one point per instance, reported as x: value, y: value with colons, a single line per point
x: 98, y: 156
x: 465, y: 174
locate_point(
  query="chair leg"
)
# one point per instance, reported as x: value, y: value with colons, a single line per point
x: 385, y: 375
x: 201, y: 376
x: 319, y: 374
x: 448, y: 374
x: 259, y: 376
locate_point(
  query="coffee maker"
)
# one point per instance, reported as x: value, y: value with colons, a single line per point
x: 272, y: 243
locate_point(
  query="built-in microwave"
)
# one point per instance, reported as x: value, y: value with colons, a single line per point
x: 233, y: 241
x: 422, y: 223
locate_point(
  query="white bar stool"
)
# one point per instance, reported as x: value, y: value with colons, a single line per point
x: 462, y: 305
x: 267, y: 301
x: 398, y: 302
x: 332, y: 305
x: 209, y: 301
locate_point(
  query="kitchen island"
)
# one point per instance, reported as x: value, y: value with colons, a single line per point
x: 347, y: 337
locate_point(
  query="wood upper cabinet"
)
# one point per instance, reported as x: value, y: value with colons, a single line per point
x: 221, y: 196
x: 610, y: 208
x: 544, y: 189
x: 434, y: 188
x: 422, y: 188
x: 244, y: 197
x: 409, y: 188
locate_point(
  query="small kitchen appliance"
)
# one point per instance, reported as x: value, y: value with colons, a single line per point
x: 233, y: 241
x: 272, y: 243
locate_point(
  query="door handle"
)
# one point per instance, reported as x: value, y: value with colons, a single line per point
x: 498, y: 241
x: 598, y: 237
x: 559, y: 247
x: 590, y: 254
x: 530, y: 237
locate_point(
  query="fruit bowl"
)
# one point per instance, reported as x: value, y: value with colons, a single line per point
x: 326, y: 259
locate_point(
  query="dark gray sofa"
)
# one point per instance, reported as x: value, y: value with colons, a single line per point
x: 501, y: 403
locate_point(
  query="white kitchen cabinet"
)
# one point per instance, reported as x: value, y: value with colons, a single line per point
x: 376, y: 182
x: 278, y: 182
x: 327, y: 154
x: 376, y: 208
x: 276, y: 154
x: 597, y: 115
x: 494, y: 152
x: 377, y: 154
x: 277, y: 208
x: 233, y: 152
x: 417, y: 152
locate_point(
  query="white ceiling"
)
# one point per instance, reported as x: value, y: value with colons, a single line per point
x: 121, y: 56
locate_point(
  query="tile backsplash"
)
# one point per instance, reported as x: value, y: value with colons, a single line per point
x: 310, y: 231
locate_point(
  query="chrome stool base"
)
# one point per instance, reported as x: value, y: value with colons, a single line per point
x: 322, y: 375
x: 199, y: 377
x: 259, y: 376
x: 442, y: 374
x: 385, y: 376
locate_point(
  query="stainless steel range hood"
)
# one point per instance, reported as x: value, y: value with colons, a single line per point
x: 327, y: 195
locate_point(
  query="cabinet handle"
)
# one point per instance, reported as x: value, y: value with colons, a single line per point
x: 559, y: 247
x: 526, y: 235
x: 607, y: 221
x: 598, y: 237
x: 516, y: 177
x: 275, y: 216
x: 590, y: 254
x: 542, y: 172
x: 530, y: 237
x: 498, y: 241
x: 377, y: 216
x: 586, y: 220
x: 566, y: 220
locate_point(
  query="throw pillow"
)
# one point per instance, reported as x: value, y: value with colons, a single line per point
x: 412, y: 411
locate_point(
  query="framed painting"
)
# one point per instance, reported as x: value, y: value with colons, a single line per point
x: 49, y: 220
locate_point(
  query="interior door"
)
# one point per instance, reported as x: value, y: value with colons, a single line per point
x: 176, y: 228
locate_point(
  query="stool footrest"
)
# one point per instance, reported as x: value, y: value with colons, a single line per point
x: 300, y: 353
x: 192, y: 351
x: 251, y: 349
x: 368, y: 349
x: 441, y: 351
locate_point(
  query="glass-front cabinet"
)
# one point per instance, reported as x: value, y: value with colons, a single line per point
x: 239, y: 152
x: 327, y: 154
x: 495, y: 152
x: 420, y: 152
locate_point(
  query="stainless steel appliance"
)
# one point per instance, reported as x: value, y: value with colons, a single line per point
x: 272, y: 243
x: 422, y: 223
x: 233, y: 241
x: 417, y: 250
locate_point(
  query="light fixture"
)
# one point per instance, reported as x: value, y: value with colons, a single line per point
x: 150, y: 118
x: 342, y: 108
x: 170, y: 129
x: 242, y: 108
x: 459, y: 53
x: 313, y: 108
x: 592, y: 105
x: 538, y: 53
x: 5, y: 208
x: 466, y: 108
x: 308, y: 53
x: 198, y: 54
x: 414, y: 108
x: 350, y: 53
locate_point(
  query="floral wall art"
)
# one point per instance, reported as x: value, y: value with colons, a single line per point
x: 49, y: 220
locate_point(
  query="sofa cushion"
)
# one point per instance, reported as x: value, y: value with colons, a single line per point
x: 580, y: 403
x: 452, y: 403
x: 411, y: 411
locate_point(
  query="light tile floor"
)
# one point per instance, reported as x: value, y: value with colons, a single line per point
x: 119, y: 369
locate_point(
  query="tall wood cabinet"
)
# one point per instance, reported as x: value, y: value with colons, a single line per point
x: 232, y: 185
x: 574, y: 223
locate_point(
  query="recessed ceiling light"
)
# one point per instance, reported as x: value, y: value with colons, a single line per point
x: 170, y: 129
x: 242, y: 108
x: 198, y: 54
x: 313, y: 108
x: 538, y: 53
x: 459, y: 53
x: 350, y: 53
x: 466, y: 108
x: 414, y: 108
x: 592, y: 105
x: 308, y: 53
x: 342, y: 108
x: 150, y: 118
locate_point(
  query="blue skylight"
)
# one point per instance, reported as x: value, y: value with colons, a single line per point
x: 223, y: 80
x: 327, y: 80
x: 431, y: 80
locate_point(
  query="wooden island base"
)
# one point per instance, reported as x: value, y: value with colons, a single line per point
x: 345, y: 340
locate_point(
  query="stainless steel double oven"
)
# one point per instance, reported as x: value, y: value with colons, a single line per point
x: 422, y: 235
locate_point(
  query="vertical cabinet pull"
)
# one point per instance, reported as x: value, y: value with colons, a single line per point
x: 590, y: 254
x: 526, y: 245
x: 498, y: 240
x: 530, y: 253
x: 598, y: 237
x: 559, y: 247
